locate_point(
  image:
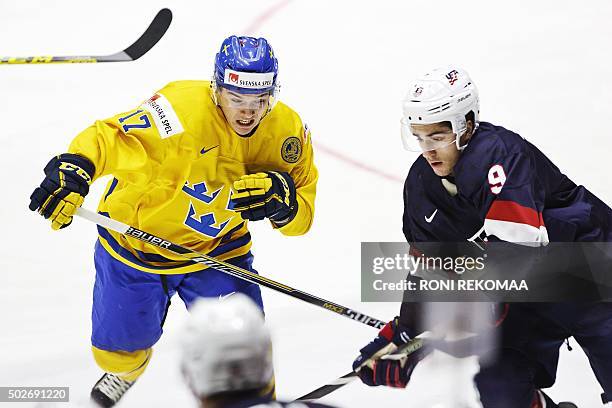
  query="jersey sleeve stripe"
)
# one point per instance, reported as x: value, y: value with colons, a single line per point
x: 503, y: 210
x: 516, y: 232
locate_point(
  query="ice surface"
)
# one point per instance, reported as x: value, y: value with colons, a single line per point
x: 542, y: 69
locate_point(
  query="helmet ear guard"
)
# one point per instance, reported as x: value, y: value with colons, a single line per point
x: 459, y: 125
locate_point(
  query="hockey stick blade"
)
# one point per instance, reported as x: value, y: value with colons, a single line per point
x: 227, y: 268
x: 140, y: 47
x: 328, y: 388
x: 408, y: 348
x: 151, y: 36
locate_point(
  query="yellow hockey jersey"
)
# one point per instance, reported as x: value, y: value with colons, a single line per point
x: 174, y: 159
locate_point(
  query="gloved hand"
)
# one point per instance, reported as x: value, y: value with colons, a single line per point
x: 266, y: 195
x: 375, y: 371
x: 64, y: 188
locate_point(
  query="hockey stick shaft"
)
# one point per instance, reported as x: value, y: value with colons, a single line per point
x: 147, y: 40
x: 407, y: 349
x: 227, y: 267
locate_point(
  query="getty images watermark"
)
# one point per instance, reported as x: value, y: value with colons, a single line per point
x: 411, y: 264
x: 497, y: 271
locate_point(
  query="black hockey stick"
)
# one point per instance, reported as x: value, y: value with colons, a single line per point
x: 227, y: 268
x: 408, y: 348
x: 151, y: 36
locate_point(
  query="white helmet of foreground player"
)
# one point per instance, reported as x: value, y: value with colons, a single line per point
x: 226, y: 347
x: 443, y: 95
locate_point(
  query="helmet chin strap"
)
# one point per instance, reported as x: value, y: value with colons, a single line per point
x: 214, y: 90
x: 458, y: 142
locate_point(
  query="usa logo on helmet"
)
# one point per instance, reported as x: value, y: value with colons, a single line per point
x: 452, y: 77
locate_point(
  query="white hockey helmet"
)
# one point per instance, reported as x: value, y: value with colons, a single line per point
x: 443, y: 94
x: 225, y: 346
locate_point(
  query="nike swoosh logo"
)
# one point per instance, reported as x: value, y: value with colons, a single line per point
x: 223, y: 297
x: 204, y: 150
x: 431, y: 217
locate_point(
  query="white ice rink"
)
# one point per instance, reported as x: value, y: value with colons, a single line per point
x: 543, y: 70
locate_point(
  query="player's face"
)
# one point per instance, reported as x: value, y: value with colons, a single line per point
x: 243, y: 112
x: 441, y: 159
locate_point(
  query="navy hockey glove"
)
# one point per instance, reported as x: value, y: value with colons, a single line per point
x: 64, y: 188
x: 266, y: 195
x: 374, y: 371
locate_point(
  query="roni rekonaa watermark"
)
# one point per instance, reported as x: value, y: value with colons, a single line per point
x: 491, y: 272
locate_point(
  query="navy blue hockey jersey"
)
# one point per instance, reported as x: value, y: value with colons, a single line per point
x: 507, y: 190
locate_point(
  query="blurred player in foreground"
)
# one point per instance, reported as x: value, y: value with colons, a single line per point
x: 479, y: 182
x: 192, y: 164
x: 226, y: 355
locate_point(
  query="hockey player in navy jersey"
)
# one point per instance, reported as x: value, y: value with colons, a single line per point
x: 477, y: 181
x: 226, y: 355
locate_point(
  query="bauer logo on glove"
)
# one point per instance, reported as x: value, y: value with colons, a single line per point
x: 64, y: 188
x: 266, y: 195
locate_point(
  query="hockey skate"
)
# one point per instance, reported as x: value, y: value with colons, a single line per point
x: 108, y: 390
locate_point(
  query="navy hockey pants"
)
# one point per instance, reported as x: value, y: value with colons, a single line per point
x: 531, y: 337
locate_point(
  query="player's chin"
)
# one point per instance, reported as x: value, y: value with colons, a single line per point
x: 440, y: 168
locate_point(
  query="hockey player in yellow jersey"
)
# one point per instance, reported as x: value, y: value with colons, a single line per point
x: 193, y: 164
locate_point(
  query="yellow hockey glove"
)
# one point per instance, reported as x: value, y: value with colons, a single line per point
x: 64, y: 188
x: 266, y: 195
